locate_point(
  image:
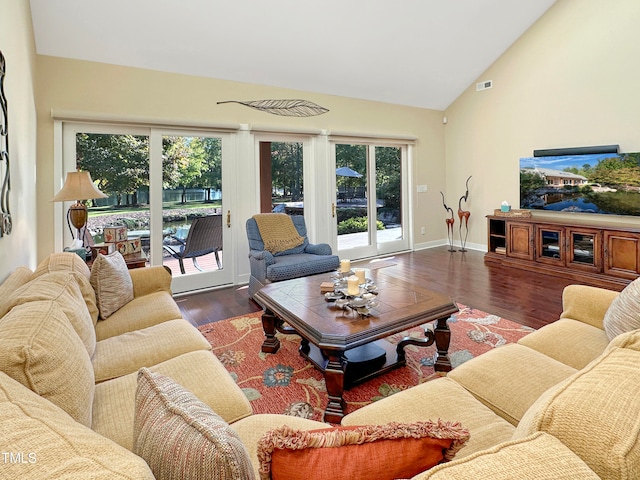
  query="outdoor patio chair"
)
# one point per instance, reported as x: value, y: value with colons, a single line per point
x: 301, y: 261
x: 204, y: 237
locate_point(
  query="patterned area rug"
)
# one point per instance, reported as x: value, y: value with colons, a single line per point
x: 285, y: 382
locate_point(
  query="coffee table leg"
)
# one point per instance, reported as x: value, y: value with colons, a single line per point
x: 443, y: 339
x: 271, y: 343
x: 441, y: 336
x: 334, y: 379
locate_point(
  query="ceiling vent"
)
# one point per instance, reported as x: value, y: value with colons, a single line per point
x: 484, y: 85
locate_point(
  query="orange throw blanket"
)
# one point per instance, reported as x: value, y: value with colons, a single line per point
x: 278, y: 232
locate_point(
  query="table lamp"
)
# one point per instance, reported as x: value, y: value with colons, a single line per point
x: 78, y: 186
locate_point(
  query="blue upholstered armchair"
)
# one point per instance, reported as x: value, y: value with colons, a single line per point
x: 306, y: 259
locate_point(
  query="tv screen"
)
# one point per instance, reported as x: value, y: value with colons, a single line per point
x: 604, y: 183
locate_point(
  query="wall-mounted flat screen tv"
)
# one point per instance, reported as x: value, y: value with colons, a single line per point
x: 606, y: 183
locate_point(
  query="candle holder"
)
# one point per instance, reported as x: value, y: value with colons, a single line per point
x: 361, y: 302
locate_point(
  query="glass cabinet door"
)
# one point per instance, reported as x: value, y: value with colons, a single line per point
x: 584, y: 249
x: 550, y: 244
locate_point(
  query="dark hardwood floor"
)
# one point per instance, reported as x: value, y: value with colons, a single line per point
x: 529, y: 298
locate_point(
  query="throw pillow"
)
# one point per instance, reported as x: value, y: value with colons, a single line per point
x: 111, y: 280
x: 370, y: 452
x: 179, y: 436
x: 623, y: 313
x: 61, y: 287
x: 40, y: 349
x: 598, y: 402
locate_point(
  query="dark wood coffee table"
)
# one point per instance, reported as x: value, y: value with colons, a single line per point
x: 345, y: 346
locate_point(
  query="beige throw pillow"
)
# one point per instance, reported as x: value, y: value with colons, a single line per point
x: 61, y: 287
x: 623, y: 314
x: 111, y: 280
x: 40, y: 349
x: 179, y: 436
x: 595, y: 413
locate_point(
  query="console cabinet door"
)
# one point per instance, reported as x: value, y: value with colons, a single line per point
x: 550, y: 244
x: 584, y: 249
x: 520, y: 240
x: 622, y: 254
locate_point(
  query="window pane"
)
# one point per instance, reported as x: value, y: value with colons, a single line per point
x: 191, y: 202
x: 352, y: 207
x: 119, y: 166
x: 287, y: 188
x: 389, y: 193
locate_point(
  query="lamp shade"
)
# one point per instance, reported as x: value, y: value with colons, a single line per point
x: 78, y: 186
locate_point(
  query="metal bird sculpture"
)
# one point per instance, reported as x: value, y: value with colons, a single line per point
x: 464, y: 217
x: 450, y: 221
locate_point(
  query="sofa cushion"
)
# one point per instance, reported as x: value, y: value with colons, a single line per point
x: 63, y: 261
x: 629, y: 340
x: 624, y: 313
x: 595, y: 413
x: 558, y: 341
x: 538, y: 456
x: 62, y: 288
x: 40, y: 349
x: 112, y: 283
x: 368, y: 452
x: 77, y: 268
x: 586, y: 304
x: 48, y: 443
x: 432, y: 400
x: 179, y: 436
x: 141, y: 312
x: 252, y: 428
x: 200, y: 372
x: 509, y: 379
x: 127, y: 353
x: 14, y: 281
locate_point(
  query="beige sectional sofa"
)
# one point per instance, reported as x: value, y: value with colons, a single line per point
x: 562, y: 403
x: 68, y: 379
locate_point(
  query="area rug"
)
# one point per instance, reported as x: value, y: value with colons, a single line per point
x: 284, y: 382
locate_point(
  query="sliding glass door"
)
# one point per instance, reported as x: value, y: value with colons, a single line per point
x: 370, y: 198
x: 167, y: 188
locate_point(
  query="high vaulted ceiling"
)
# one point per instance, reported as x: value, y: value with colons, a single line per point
x: 422, y: 53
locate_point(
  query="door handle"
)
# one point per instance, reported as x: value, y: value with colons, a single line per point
x: 333, y: 210
x: 228, y: 218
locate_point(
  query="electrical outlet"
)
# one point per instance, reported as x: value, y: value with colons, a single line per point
x: 422, y: 188
x: 423, y: 230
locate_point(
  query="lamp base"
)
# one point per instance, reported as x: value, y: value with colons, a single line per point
x: 77, y: 216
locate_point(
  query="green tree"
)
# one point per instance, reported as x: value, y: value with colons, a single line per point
x: 287, y: 169
x: 211, y: 178
x: 119, y: 164
x: 388, y: 176
x: 530, y: 182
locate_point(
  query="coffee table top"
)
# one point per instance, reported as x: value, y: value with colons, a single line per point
x: 401, y: 305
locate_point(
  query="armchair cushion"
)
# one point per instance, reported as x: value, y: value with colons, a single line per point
x: 300, y: 265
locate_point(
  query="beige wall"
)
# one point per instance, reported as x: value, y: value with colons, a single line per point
x: 571, y: 80
x: 93, y: 88
x: 17, y: 46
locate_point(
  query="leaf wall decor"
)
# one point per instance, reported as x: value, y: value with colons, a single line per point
x: 288, y: 108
